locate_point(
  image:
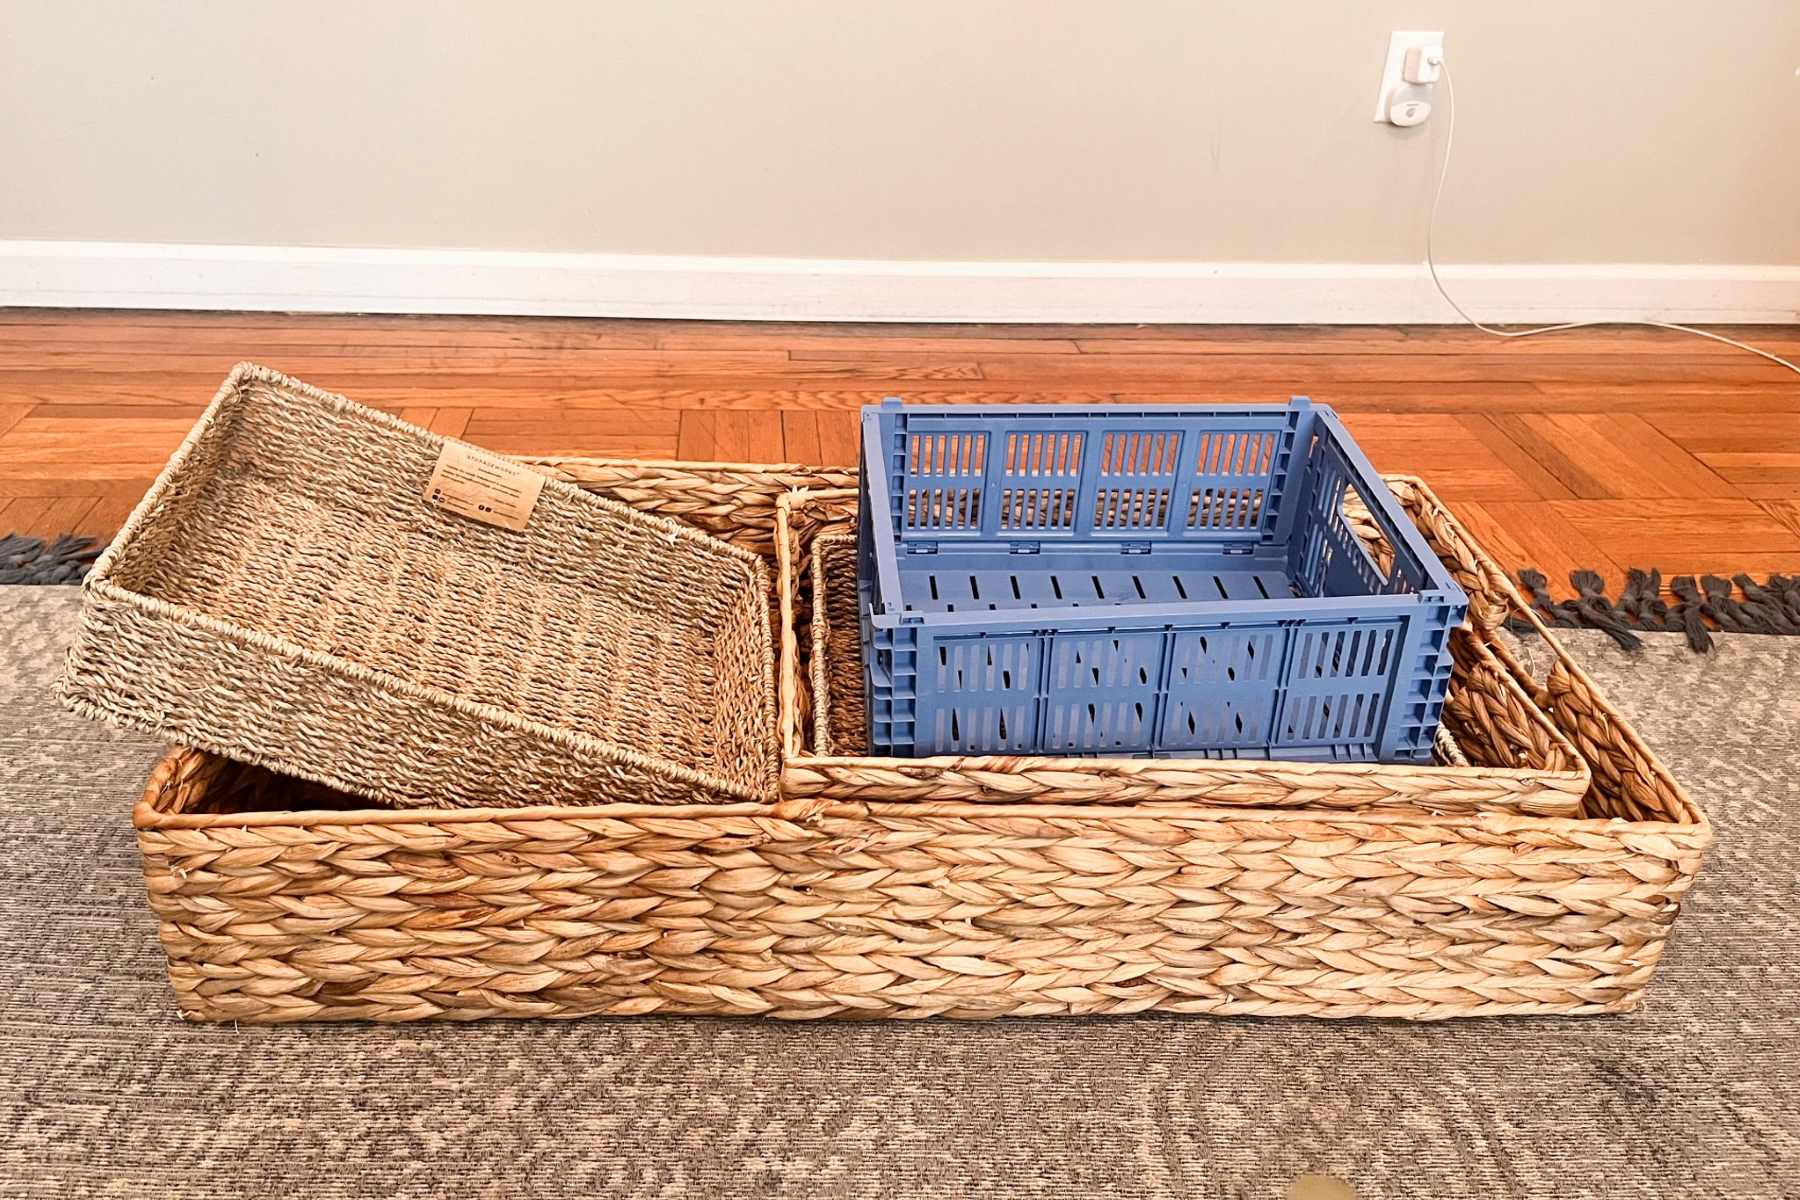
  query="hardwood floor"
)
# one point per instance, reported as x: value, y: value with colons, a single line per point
x: 1600, y: 448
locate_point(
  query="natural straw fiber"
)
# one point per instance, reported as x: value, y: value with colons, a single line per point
x: 275, y: 906
x: 732, y: 501
x: 287, y: 595
x: 1519, y: 762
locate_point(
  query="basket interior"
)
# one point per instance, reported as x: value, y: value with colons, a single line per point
x: 839, y: 724
x: 194, y: 782
x: 305, y: 521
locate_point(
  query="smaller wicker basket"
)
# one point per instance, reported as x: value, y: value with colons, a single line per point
x: 1517, y: 761
x: 286, y: 595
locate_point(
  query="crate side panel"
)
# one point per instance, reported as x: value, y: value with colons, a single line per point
x: 980, y: 695
x: 1223, y: 689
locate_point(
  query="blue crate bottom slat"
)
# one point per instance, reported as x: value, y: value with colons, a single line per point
x: 949, y: 585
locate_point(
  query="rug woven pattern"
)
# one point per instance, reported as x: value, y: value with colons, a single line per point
x: 105, y: 1092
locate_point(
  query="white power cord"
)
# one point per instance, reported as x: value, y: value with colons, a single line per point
x: 1431, y: 265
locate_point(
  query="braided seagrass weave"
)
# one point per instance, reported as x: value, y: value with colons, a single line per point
x: 287, y: 595
x: 280, y: 902
x: 1519, y: 761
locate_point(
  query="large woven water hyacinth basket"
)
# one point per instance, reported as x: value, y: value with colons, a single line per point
x: 282, y: 901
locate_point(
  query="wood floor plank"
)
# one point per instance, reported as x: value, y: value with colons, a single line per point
x: 749, y: 437
x: 1426, y: 339
x: 1346, y: 396
x: 1686, y: 536
x: 452, y: 422
x: 838, y: 438
x: 376, y: 358
x: 248, y: 334
x: 192, y: 390
x: 1762, y: 474
x: 1755, y: 454
x: 1700, y: 431
x: 1127, y: 370
x: 538, y: 395
x: 394, y: 392
x: 873, y: 344
x: 1535, y: 534
x: 1647, y: 396
x: 80, y: 324
x: 120, y: 446
x: 21, y: 513
x: 1440, y: 448
x: 62, y: 514
x: 1660, y: 462
x: 112, y: 412
x: 605, y: 434
x: 1611, y: 456
x: 12, y: 487
x: 452, y: 419
x: 698, y: 436
x: 800, y: 437
x: 731, y: 436
x: 1538, y: 438
x: 1786, y: 511
x: 1597, y: 448
x: 23, y: 372
x: 1526, y: 466
x: 853, y: 400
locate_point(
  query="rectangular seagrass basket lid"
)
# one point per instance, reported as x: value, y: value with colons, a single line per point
x: 287, y: 595
x: 281, y: 901
x: 1518, y: 761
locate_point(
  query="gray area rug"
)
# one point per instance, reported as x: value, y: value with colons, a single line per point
x: 104, y: 1092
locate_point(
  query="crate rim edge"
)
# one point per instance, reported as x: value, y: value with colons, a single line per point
x: 1382, y: 506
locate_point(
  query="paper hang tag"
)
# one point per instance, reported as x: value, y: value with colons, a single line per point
x: 484, y: 487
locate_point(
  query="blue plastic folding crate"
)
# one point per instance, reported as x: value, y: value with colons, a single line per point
x: 1163, y: 580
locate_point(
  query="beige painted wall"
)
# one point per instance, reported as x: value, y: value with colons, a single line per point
x: 933, y: 129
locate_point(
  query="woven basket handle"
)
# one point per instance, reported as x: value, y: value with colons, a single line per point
x: 1494, y: 599
x: 1629, y: 781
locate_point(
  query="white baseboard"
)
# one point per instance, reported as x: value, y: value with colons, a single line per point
x: 500, y: 282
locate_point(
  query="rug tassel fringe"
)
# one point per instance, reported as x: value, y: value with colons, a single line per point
x: 1702, y: 606
x: 34, y: 560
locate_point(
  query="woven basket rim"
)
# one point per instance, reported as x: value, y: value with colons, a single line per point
x: 100, y: 583
x: 1519, y: 608
x: 976, y: 762
x: 146, y: 816
x: 1572, y: 780
x: 680, y: 465
x: 245, y: 373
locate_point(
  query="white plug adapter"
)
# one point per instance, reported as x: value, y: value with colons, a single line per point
x: 1423, y: 64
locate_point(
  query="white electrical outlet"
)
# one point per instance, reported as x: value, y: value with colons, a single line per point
x: 1397, y: 95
